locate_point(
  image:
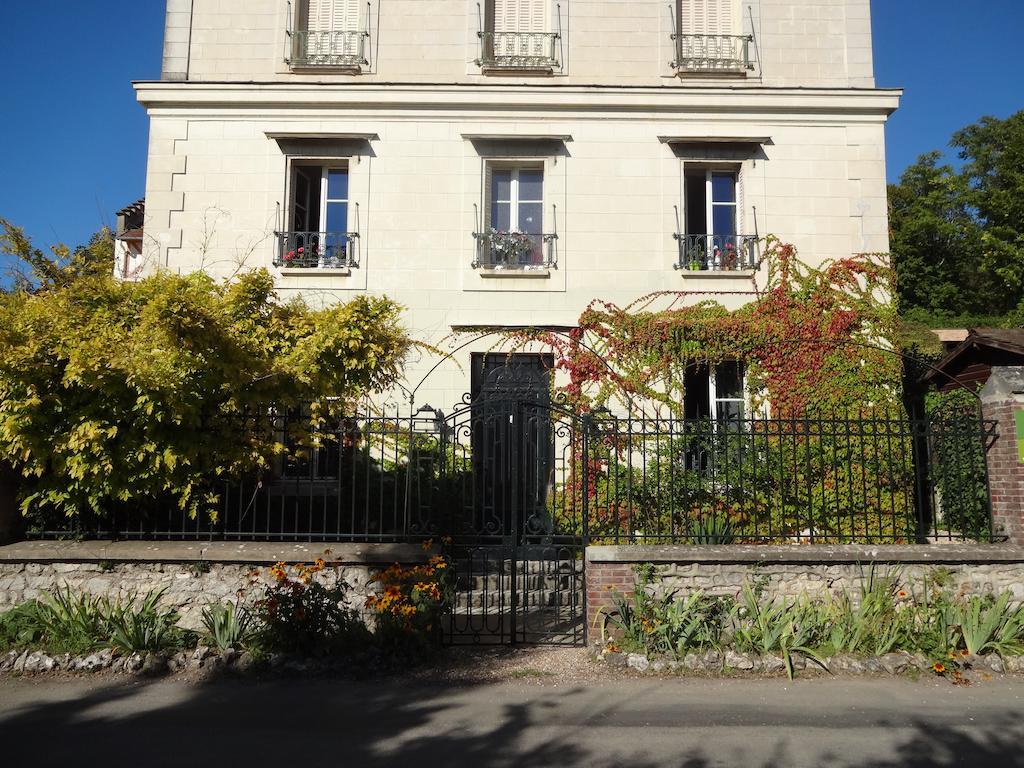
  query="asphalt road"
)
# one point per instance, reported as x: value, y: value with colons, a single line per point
x: 521, y: 723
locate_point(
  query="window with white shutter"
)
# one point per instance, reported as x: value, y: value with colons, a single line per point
x: 518, y: 35
x: 709, y: 36
x: 329, y: 33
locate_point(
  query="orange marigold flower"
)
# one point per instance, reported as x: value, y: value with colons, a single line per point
x: 901, y: 594
x: 938, y: 667
x: 319, y: 564
x: 428, y: 544
x: 965, y: 652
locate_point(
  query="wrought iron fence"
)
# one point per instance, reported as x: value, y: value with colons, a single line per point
x: 713, y: 53
x: 317, y: 250
x: 519, y: 50
x: 878, y: 477
x: 334, y: 48
x: 514, y: 250
x: 505, y: 471
x: 717, y: 253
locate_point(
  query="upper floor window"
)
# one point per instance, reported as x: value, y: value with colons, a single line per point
x: 318, y: 233
x: 513, y: 236
x: 327, y: 33
x: 517, y: 35
x: 712, y: 240
x: 709, y: 37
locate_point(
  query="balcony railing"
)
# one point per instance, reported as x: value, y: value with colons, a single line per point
x: 327, y: 49
x: 316, y: 250
x: 514, y: 250
x: 713, y: 53
x: 519, y: 50
x: 718, y: 253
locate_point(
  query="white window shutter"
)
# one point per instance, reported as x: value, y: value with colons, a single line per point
x: 319, y: 15
x: 520, y: 15
x: 346, y: 15
x: 707, y: 17
x: 722, y: 11
x: 534, y: 16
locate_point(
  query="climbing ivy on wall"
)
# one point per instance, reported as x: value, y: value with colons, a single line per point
x: 812, y: 338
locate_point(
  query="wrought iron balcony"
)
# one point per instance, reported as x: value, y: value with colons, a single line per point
x: 316, y: 250
x: 340, y: 48
x: 518, y: 50
x: 713, y: 53
x: 514, y: 250
x: 717, y: 253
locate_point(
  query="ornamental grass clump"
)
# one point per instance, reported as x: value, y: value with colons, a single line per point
x: 136, y: 626
x: 665, y: 624
x: 927, y: 619
x: 227, y: 625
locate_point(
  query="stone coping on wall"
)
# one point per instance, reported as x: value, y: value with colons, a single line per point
x: 254, y: 553
x: 947, y: 552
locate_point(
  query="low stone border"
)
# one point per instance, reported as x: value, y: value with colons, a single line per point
x: 719, y: 662
x: 202, y: 661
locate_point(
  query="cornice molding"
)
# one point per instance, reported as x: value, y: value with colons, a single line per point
x: 164, y: 95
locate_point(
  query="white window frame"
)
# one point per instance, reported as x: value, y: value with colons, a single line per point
x: 709, y: 203
x: 514, y: 200
x: 325, y: 199
x: 714, y: 399
x: 325, y: 169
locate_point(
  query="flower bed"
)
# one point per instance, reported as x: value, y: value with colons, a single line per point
x: 886, y: 625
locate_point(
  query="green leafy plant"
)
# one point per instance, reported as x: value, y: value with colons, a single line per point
x: 300, y: 615
x: 137, y: 626
x: 110, y: 390
x: 72, y: 622
x: 19, y: 626
x: 777, y: 626
x: 988, y: 624
x: 228, y: 626
x: 716, y: 529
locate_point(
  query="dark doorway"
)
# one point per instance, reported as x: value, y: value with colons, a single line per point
x: 513, y: 453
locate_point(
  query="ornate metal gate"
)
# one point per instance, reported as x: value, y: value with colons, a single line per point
x: 513, y: 509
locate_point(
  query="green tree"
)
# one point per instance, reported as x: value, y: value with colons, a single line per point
x: 118, y: 393
x: 993, y: 155
x: 38, y: 269
x: 957, y: 236
x: 935, y: 240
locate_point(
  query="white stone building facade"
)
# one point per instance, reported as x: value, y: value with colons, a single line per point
x: 504, y: 162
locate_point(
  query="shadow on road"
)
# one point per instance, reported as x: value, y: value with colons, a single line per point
x: 430, y: 725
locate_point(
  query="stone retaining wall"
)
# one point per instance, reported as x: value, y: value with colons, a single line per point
x: 792, y: 571
x: 193, y: 574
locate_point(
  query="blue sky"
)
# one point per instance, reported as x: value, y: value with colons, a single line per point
x: 75, y: 140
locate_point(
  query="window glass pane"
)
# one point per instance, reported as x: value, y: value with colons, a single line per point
x: 501, y: 185
x: 729, y: 380
x: 723, y: 218
x: 723, y: 187
x: 531, y: 184
x: 729, y: 412
x: 337, y: 217
x: 501, y: 216
x: 530, y: 218
x: 337, y: 185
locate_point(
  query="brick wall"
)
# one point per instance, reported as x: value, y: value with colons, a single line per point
x: 604, y: 580
x: 1006, y: 471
